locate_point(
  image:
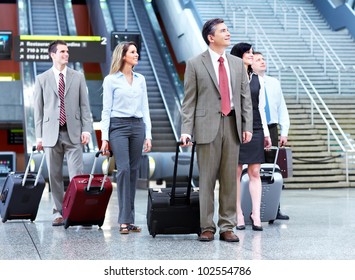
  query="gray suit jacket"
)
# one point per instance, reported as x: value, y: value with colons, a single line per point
x: 47, y: 106
x: 201, y: 109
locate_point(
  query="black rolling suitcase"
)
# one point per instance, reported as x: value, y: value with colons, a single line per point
x: 22, y: 193
x: 174, y: 210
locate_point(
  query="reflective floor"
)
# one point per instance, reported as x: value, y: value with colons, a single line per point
x: 321, y: 227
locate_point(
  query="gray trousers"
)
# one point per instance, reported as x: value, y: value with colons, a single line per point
x: 54, y: 158
x: 126, y: 136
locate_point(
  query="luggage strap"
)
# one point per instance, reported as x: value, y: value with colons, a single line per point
x: 189, y: 185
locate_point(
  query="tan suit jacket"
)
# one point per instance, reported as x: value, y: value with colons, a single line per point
x: 47, y: 107
x: 202, y: 102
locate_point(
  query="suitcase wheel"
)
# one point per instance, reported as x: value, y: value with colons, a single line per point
x: 100, y: 223
x: 271, y: 222
x: 4, y: 220
x: 153, y: 234
x: 66, y: 223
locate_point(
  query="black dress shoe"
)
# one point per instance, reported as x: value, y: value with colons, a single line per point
x: 254, y: 227
x: 281, y: 216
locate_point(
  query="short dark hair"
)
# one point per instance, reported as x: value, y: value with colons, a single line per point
x: 209, y: 28
x: 257, y: 53
x: 52, y: 48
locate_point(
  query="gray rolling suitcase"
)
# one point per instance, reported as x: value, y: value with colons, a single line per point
x: 21, y: 193
x: 272, y: 182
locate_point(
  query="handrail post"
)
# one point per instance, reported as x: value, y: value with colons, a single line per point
x: 347, y: 166
x: 299, y: 24
x: 246, y: 22
x: 328, y: 139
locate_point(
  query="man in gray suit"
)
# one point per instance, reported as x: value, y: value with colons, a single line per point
x: 61, y: 131
x: 217, y: 135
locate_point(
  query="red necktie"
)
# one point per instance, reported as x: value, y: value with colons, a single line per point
x: 61, y: 90
x: 224, y: 88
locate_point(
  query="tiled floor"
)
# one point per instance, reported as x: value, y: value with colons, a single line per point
x: 321, y: 227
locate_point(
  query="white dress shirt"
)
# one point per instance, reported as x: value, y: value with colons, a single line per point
x: 277, y: 104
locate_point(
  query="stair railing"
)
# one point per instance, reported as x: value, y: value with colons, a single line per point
x: 251, y: 21
x: 345, y: 144
x: 316, y: 37
x: 57, y: 17
x: 264, y: 40
x: 281, y: 5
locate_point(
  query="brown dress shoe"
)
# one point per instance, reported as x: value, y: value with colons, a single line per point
x: 206, y: 236
x: 229, y: 236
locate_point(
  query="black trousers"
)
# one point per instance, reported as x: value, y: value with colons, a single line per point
x: 274, y: 135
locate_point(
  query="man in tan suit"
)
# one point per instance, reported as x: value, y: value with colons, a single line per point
x: 217, y: 135
x: 61, y: 133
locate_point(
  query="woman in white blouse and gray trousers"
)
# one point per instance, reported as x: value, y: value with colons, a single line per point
x: 125, y: 127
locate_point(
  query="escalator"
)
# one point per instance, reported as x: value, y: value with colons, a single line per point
x: 164, y: 89
x: 43, y: 17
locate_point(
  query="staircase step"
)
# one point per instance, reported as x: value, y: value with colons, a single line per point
x: 321, y: 185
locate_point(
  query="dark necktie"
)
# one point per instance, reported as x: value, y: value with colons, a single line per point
x: 224, y: 88
x: 61, y: 90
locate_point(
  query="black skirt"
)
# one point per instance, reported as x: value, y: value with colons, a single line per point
x: 253, y: 152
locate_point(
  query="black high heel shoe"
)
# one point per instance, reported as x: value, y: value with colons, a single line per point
x: 254, y: 227
x: 240, y: 227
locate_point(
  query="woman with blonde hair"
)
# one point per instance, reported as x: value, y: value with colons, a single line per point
x: 125, y: 127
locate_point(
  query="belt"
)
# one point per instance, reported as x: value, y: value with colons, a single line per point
x: 231, y: 114
x: 271, y: 125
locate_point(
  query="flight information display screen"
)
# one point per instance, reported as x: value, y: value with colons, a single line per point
x: 81, y: 48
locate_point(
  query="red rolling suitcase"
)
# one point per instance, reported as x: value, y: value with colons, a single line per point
x: 86, y: 199
x: 21, y: 193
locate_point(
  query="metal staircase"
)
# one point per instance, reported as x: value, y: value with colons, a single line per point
x: 285, y: 24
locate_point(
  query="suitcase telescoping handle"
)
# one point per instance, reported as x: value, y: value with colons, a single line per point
x: 275, y: 161
x: 189, y: 185
x: 34, y: 148
x: 93, y: 169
